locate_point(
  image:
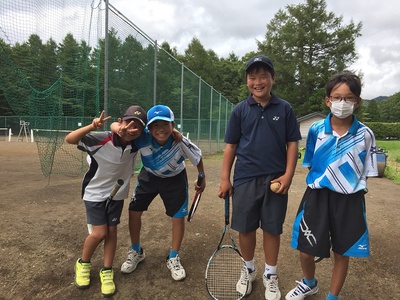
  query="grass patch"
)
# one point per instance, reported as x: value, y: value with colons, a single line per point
x: 392, y: 149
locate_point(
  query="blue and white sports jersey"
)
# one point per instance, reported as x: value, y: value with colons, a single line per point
x: 340, y: 163
x: 167, y: 160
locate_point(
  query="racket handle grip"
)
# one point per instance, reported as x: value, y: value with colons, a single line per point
x: 200, y: 178
x: 227, y: 209
x: 119, y: 183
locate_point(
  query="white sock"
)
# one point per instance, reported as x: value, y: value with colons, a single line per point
x: 250, y: 264
x: 269, y: 270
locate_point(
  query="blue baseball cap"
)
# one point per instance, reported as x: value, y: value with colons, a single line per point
x: 160, y: 112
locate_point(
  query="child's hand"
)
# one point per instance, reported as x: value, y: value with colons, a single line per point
x: 284, y: 184
x: 201, y: 187
x: 177, y: 136
x: 126, y: 131
x: 225, y: 188
x: 99, y: 122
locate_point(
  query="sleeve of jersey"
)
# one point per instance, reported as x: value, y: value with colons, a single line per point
x: 93, y: 141
x: 310, y: 146
x: 233, y: 131
x: 371, y: 164
x: 190, y: 151
x: 293, y: 132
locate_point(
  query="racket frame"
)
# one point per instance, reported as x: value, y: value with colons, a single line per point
x: 224, y: 246
x: 197, y: 197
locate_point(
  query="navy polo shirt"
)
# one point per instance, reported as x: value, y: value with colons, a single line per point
x: 261, y: 134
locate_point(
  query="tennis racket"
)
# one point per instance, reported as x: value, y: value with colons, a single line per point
x: 115, y: 189
x: 196, y: 198
x: 225, y: 266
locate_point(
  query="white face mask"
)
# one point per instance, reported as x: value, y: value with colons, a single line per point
x: 342, y: 109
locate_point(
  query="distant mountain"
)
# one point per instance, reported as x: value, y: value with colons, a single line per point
x: 381, y: 98
x: 377, y: 99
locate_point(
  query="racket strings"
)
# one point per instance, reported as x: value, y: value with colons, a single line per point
x: 223, y: 273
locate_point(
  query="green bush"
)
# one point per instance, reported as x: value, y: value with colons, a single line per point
x: 385, y: 131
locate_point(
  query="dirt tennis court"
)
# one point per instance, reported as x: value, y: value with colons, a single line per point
x: 43, y: 228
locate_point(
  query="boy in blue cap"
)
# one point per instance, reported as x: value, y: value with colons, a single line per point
x: 164, y: 174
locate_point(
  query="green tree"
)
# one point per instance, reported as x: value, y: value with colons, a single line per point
x: 390, y: 109
x: 372, y: 113
x: 230, y: 77
x: 201, y: 61
x: 307, y: 45
x: 168, y: 49
x: 69, y: 54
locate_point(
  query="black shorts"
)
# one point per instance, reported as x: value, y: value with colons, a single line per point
x: 254, y: 205
x: 172, y: 190
x: 328, y: 219
x: 100, y: 213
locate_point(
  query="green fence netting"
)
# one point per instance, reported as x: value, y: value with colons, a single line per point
x: 53, y: 78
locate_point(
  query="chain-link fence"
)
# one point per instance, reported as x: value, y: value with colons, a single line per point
x: 53, y: 76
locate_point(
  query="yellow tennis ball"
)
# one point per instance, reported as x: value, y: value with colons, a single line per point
x: 275, y: 186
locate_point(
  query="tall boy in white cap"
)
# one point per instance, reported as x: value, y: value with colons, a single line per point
x: 164, y: 174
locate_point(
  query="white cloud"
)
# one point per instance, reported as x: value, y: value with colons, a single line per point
x: 234, y: 26
x: 227, y: 26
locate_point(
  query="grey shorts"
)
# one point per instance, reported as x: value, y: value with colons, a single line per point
x: 254, y: 206
x: 98, y: 214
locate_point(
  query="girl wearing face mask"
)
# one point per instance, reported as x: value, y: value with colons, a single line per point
x: 340, y: 154
x: 342, y: 98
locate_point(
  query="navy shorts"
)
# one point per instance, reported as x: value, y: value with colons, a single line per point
x: 254, y: 205
x: 172, y: 190
x: 327, y: 219
x: 100, y: 213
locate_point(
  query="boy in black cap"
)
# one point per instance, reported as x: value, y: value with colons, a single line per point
x: 111, y: 158
x: 262, y: 135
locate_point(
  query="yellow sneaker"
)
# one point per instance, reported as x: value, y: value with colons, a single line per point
x: 107, y: 283
x: 82, y: 274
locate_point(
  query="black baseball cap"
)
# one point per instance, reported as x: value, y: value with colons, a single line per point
x: 260, y: 59
x: 135, y: 112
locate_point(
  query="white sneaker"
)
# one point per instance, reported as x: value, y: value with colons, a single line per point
x: 134, y: 258
x: 177, y: 270
x: 244, y: 285
x: 272, y: 291
x: 301, y: 291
